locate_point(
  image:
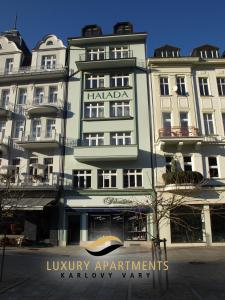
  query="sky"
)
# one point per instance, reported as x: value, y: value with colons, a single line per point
x: 186, y: 24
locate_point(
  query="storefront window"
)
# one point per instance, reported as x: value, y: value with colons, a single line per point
x: 217, y: 214
x: 126, y: 226
x: 186, y: 225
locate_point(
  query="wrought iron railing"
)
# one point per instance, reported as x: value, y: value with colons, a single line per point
x: 174, y: 132
x: 106, y: 55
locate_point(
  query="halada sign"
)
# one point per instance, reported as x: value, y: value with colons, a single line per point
x: 107, y: 95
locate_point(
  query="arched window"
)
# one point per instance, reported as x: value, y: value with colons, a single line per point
x: 49, y: 43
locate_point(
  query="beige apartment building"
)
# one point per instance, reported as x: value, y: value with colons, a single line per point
x: 32, y: 104
x: 187, y: 95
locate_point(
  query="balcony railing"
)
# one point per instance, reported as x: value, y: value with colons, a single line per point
x: 44, y: 136
x: 31, y: 70
x: 45, y: 101
x: 175, y: 132
x: 23, y: 180
x: 106, y: 56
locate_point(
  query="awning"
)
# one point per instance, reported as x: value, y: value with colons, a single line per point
x: 26, y: 203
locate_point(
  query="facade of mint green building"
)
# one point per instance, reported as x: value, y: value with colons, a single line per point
x: 107, y: 155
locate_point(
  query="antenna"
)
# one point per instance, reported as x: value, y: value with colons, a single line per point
x: 15, y: 22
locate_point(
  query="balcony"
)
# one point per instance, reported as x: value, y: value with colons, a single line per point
x: 83, y: 152
x: 44, y: 106
x: 182, y: 181
x: 28, y: 181
x: 106, y: 60
x: 58, y: 71
x: 44, y: 141
x: 178, y: 136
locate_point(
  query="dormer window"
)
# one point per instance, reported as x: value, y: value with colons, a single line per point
x: 123, y: 28
x: 209, y: 54
x: 9, y: 65
x: 166, y: 53
x: 49, y: 43
x: 48, y: 62
x: 91, y: 31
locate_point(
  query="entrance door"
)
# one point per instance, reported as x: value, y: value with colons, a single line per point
x: 73, y: 229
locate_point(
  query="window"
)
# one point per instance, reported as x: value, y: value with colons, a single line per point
x: 209, y: 54
x: 19, y: 128
x: 106, y: 178
x: 9, y: 65
x: 120, y: 109
x: 53, y: 94
x: 132, y: 178
x: 22, y: 96
x: 32, y: 169
x: 48, y: 62
x: 94, y: 110
x: 208, y: 123
x: 16, y: 170
x: 203, y: 86
x: 223, y: 117
x: 119, y: 52
x: 48, y: 162
x: 168, y: 160
x: 166, y: 118
x: 184, y: 123
x: 94, y: 81
x: 213, y: 167
x: 94, y: 139
x: 164, y: 86
x: 49, y: 43
x: 221, y: 86
x: 82, y: 179
x: 50, y: 128
x: 120, y: 138
x: 181, y: 90
x: 95, y: 54
x: 187, y: 163
x: 2, y: 128
x: 5, y: 98
x: 119, y: 80
x: 39, y: 95
x: 36, y: 128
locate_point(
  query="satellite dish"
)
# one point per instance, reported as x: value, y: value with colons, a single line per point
x: 175, y: 88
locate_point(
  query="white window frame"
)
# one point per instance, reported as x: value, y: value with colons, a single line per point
x: 19, y: 128
x: 221, y: 86
x: 116, y: 77
x: 186, y: 119
x: 94, y: 110
x: 135, y: 173
x: 39, y: 93
x: 214, y: 167
x: 100, y: 80
x: 208, y: 121
x: 50, y: 127
x: 164, y: 84
x: 53, y: 94
x: 116, y: 107
x: 95, y: 54
x: 98, y: 138
x: 48, y: 62
x: 36, y: 128
x: 9, y: 65
x: 119, y: 52
x: 181, y: 85
x: 84, y: 174
x: 120, y: 136
x: 107, y: 175
x: 204, y: 82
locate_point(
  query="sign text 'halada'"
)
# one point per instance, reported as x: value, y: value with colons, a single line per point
x: 107, y: 95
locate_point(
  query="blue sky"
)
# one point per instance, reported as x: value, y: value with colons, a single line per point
x: 185, y: 24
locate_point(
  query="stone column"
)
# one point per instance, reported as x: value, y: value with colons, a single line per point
x: 62, y: 229
x: 84, y: 227
x: 207, y: 231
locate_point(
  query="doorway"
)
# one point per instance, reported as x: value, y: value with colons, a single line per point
x: 73, y: 230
